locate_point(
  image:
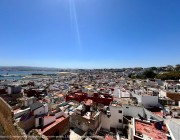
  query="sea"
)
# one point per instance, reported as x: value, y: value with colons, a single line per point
x: 17, y: 75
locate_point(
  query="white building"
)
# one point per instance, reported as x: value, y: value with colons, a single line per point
x: 39, y: 108
x: 120, y: 93
x: 147, y: 100
x: 46, y: 120
x: 117, y: 110
x: 27, y: 101
x: 14, y: 89
x: 115, y: 120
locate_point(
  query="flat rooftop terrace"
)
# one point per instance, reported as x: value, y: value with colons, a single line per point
x: 150, y: 132
x: 123, y: 101
x: 46, y: 128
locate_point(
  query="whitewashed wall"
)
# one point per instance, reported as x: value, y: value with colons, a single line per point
x: 48, y: 120
x: 150, y: 101
x: 115, y: 116
x: 133, y: 111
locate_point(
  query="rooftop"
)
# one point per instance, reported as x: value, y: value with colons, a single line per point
x: 88, y: 102
x: 68, y: 107
x: 124, y: 101
x: 150, y: 131
x: 108, y: 137
x: 46, y: 128
x: 36, y: 105
x: 160, y: 114
x: 89, y: 115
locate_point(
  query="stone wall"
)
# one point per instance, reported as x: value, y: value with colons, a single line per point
x: 9, y: 128
x: 35, y: 135
x: 27, y: 124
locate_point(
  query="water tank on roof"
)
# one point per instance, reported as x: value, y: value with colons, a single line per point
x: 159, y: 125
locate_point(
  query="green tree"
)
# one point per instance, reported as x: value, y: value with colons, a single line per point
x: 177, y: 68
x: 149, y: 74
x: 173, y: 75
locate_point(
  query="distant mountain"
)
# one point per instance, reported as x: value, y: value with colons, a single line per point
x: 27, y: 68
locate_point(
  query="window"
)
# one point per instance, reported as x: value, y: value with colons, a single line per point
x: 120, y: 121
x: 40, y: 121
x: 120, y: 111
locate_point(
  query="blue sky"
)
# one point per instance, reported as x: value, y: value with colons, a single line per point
x: 89, y: 33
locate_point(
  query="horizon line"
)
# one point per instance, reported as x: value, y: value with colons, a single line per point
x: 89, y: 68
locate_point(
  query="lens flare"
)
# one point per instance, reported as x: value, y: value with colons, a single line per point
x: 74, y: 22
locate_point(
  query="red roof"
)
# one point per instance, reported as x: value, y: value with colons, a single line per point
x: 158, y: 114
x: 150, y: 130
x: 88, y: 102
x: 108, y: 137
x: 52, y: 124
